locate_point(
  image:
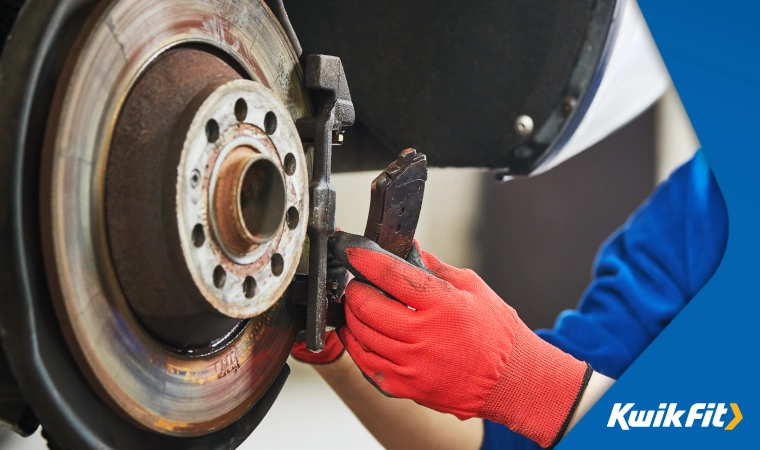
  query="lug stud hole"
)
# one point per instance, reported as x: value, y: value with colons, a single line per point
x: 270, y: 123
x: 212, y: 131
x: 198, y: 236
x: 249, y: 287
x: 220, y: 277
x: 291, y: 217
x: 241, y: 110
x: 278, y: 264
x: 290, y: 164
x: 398, y: 228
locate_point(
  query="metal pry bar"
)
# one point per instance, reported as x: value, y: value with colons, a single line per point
x: 327, y: 83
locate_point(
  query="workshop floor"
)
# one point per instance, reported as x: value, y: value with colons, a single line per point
x: 304, y: 398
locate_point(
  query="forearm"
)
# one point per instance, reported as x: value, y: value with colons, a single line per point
x: 597, y: 386
x: 397, y: 423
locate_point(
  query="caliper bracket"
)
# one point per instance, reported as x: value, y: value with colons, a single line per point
x: 326, y: 81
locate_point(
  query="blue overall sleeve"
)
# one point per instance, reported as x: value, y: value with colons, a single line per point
x: 643, y: 276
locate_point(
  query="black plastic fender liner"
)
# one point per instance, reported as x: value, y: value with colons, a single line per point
x: 69, y: 409
x: 451, y: 77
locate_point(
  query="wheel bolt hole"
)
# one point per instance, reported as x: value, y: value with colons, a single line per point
x: 220, y: 277
x: 398, y: 228
x: 291, y: 217
x: 270, y: 123
x: 198, y: 236
x: 290, y: 164
x: 241, y: 110
x: 249, y: 287
x: 212, y: 131
x: 278, y: 264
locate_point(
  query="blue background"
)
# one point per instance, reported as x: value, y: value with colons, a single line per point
x: 709, y: 352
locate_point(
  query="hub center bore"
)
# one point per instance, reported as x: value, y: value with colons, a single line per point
x: 249, y: 200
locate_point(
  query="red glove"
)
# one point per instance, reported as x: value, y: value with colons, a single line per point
x: 333, y: 349
x: 445, y: 340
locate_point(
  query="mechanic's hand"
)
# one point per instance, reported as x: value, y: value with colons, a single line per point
x: 332, y: 351
x: 445, y: 340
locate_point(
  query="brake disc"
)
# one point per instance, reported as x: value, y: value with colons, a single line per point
x: 173, y: 203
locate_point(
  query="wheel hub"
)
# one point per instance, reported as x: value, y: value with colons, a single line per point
x: 251, y: 172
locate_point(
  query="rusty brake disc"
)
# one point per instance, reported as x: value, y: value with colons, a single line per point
x: 167, y: 277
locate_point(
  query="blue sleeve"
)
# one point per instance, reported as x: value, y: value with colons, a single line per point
x: 643, y: 276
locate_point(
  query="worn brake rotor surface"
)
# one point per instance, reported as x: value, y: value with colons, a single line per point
x: 174, y: 331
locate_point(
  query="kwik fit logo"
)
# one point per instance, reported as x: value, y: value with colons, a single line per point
x: 669, y: 415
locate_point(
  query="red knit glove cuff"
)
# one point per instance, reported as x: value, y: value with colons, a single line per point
x: 333, y: 349
x: 538, y: 391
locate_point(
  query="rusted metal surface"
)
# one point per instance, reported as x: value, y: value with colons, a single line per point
x: 145, y: 382
x: 327, y: 81
x: 139, y: 205
x: 227, y: 211
x: 249, y: 178
x: 396, y: 202
x: 249, y: 201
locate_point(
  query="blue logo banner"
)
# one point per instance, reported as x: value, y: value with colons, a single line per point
x: 709, y: 353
